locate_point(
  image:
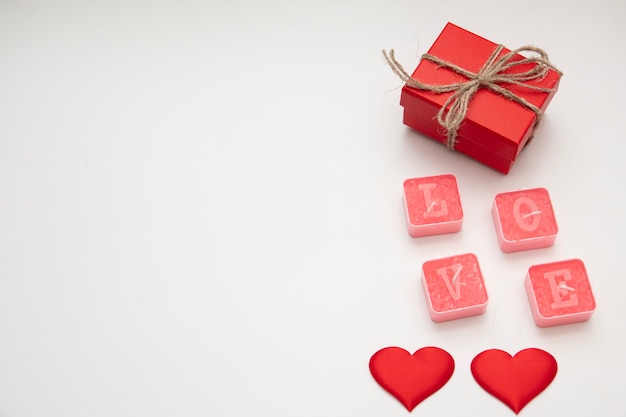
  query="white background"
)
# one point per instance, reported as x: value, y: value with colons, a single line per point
x: 201, y: 212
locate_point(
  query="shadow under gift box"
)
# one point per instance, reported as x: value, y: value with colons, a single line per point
x: 495, y: 128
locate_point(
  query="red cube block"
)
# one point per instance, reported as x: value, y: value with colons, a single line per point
x: 559, y: 293
x: 524, y: 220
x: 432, y: 205
x: 454, y: 287
x: 495, y: 128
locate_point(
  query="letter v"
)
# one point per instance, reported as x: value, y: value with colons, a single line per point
x: 454, y: 284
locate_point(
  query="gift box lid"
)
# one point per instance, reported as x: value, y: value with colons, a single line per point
x: 496, y: 123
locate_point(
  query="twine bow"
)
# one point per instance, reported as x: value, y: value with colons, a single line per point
x: 492, y: 74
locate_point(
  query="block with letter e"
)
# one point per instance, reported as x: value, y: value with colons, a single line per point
x: 559, y: 293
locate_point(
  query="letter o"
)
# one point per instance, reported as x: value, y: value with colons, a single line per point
x: 521, y: 222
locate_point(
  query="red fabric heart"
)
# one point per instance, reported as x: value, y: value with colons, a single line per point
x: 411, y: 378
x: 514, y: 380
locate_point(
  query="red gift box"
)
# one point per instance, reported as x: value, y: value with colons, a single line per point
x: 495, y: 128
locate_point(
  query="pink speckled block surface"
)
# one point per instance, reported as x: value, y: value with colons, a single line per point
x: 524, y: 220
x: 559, y: 293
x: 454, y: 287
x: 432, y: 205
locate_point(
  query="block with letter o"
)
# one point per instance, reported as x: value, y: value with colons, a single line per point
x: 524, y: 220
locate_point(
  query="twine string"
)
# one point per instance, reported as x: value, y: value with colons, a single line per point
x: 491, y: 76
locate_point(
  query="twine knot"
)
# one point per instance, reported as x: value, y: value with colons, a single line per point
x: 482, y: 79
x: 493, y: 74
